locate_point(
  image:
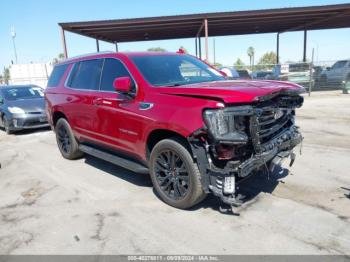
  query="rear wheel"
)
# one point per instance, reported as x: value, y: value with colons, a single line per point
x: 66, y: 141
x: 174, y: 175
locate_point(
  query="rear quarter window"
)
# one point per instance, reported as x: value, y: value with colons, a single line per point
x: 56, y: 75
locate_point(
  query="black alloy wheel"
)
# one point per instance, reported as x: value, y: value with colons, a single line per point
x: 66, y: 141
x: 63, y: 140
x: 175, y: 176
x: 172, y: 175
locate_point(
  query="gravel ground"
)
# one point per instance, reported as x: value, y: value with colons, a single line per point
x: 49, y: 205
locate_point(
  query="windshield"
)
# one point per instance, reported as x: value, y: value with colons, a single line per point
x: 175, y: 70
x: 16, y: 93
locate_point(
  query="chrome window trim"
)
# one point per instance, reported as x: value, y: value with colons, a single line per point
x: 99, y: 87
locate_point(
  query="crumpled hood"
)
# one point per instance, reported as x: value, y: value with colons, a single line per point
x: 29, y: 105
x: 235, y: 91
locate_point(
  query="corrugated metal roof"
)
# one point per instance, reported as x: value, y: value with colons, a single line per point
x: 219, y: 24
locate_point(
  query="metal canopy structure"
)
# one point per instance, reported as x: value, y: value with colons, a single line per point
x: 213, y: 24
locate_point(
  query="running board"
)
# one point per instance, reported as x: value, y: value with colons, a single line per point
x: 119, y: 161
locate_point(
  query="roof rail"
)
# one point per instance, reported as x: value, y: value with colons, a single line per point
x: 83, y: 55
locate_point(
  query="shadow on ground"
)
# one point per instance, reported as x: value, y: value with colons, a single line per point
x: 129, y: 176
x: 348, y: 190
x: 250, y: 187
x: 29, y: 131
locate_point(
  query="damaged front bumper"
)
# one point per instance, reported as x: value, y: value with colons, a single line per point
x: 214, y: 179
x: 222, y: 179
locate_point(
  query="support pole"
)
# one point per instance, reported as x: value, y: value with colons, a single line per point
x: 305, y: 42
x: 200, y: 47
x: 63, y: 37
x: 116, y: 47
x: 206, y: 40
x: 311, y: 69
x: 278, y: 49
x: 196, y: 46
x: 97, y: 46
x: 214, y: 51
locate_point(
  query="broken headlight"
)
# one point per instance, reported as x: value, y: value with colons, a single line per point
x: 225, y: 126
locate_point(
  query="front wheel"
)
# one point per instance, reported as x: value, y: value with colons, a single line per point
x: 66, y: 141
x: 174, y: 175
x: 7, y: 127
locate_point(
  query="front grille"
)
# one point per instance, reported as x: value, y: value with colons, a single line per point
x: 35, y: 122
x: 34, y: 113
x: 30, y: 123
x: 272, y: 122
x: 269, y: 123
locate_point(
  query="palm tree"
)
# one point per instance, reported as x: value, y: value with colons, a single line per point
x: 250, y: 53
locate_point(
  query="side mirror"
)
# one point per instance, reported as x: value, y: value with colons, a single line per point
x: 122, y: 84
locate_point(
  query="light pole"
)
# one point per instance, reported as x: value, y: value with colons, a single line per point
x: 13, y: 35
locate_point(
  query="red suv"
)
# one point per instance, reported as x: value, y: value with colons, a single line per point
x: 174, y: 117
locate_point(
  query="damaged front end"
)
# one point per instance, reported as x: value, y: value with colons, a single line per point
x: 240, y: 139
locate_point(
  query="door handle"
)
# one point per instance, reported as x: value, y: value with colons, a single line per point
x: 97, y: 101
x: 101, y: 101
x: 68, y: 99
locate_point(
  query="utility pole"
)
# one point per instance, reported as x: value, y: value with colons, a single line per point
x: 13, y: 35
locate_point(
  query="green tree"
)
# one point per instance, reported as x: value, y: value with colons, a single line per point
x: 267, y: 61
x: 57, y: 59
x: 6, y: 75
x: 250, y: 53
x: 217, y: 64
x: 156, y: 49
x: 239, y: 64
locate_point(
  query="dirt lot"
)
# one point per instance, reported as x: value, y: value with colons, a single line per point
x: 49, y: 205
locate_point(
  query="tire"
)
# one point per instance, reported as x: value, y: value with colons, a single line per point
x: 66, y: 142
x: 174, y: 175
x: 7, y: 127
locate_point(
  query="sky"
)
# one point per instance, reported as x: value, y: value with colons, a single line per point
x: 38, y: 36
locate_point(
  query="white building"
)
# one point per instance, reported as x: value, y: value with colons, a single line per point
x: 36, y: 74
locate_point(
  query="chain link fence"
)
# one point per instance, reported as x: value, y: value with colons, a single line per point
x: 322, y: 75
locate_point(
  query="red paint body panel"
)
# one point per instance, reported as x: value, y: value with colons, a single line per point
x: 109, y: 118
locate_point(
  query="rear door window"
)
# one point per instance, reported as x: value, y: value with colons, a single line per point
x: 86, y: 75
x: 56, y: 75
x: 112, y: 69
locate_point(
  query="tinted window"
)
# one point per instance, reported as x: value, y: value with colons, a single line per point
x: 299, y: 67
x: 56, y: 75
x: 112, y: 69
x: 86, y: 75
x: 243, y: 73
x: 339, y: 64
x: 26, y: 92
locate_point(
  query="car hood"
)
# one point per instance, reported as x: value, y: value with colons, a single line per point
x: 29, y: 105
x: 235, y: 91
